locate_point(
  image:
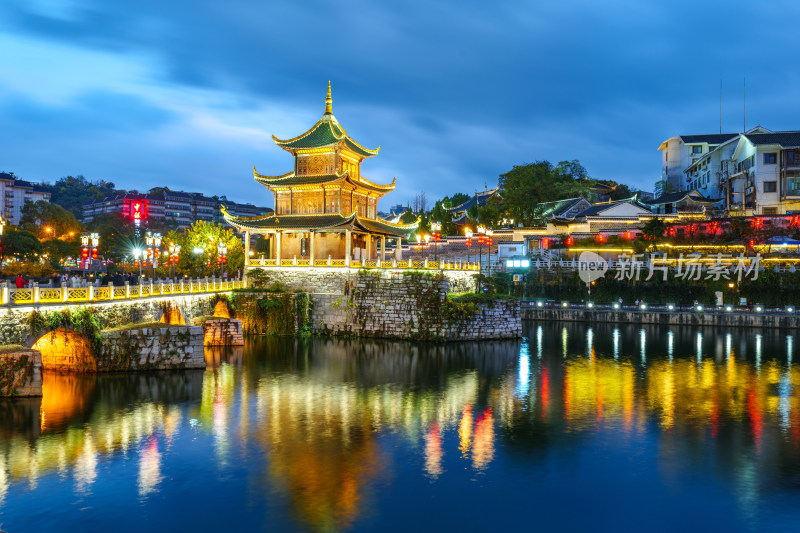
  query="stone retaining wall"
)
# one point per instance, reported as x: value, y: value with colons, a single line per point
x: 152, y: 348
x: 321, y: 280
x: 674, y: 318
x: 21, y: 373
x: 411, y: 305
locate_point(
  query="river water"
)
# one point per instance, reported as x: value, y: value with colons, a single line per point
x: 576, y: 427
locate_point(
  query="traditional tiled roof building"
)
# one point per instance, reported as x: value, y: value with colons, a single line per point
x: 324, y: 209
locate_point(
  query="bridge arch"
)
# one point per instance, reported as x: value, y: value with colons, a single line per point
x: 65, y: 350
x: 172, y: 314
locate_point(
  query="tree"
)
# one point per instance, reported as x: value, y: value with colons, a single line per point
x: 571, y: 170
x: 20, y: 244
x: 420, y: 204
x: 204, y: 237
x: 525, y: 186
x: 72, y: 192
x: 49, y: 221
x: 662, y: 187
x: 57, y: 250
x: 456, y: 200
x: 491, y: 213
x: 653, y: 230
x: 440, y: 214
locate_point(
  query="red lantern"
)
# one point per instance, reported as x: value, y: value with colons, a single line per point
x: 752, y: 244
x: 569, y: 241
x: 94, y: 253
x: 600, y: 237
x: 480, y: 238
x: 468, y: 242
x: 545, y: 243
x: 85, y: 252
x: 488, y: 241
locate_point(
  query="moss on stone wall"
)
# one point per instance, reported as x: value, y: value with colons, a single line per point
x: 14, y: 373
x: 265, y: 313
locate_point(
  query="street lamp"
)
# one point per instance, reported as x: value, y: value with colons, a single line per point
x: 468, y: 241
x: 174, y: 250
x: 436, y: 228
x: 222, y: 250
x: 84, y: 251
x: 137, y: 254
x: 153, y: 241
x: 94, y: 240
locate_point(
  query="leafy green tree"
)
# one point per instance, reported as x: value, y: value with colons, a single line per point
x: 570, y: 170
x: 455, y: 200
x: 72, y: 192
x: 49, y: 221
x: 204, y: 237
x: 21, y: 245
x: 653, y: 231
x: 525, y: 186
x: 57, y: 250
x: 439, y: 213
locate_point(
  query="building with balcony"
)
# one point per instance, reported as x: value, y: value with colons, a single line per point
x: 15, y: 193
x: 753, y: 173
x: 681, y: 151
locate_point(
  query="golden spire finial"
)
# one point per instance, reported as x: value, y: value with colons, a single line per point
x: 329, y: 101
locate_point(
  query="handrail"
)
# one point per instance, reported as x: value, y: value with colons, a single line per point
x: 110, y: 292
x: 383, y: 264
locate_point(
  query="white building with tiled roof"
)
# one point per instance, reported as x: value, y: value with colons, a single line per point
x: 754, y: 173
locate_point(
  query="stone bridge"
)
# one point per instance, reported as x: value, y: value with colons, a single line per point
x: 174, y: 309
x: 150, y: 333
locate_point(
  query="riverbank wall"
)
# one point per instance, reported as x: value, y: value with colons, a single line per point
x: 716, y: 318
x: 400, y: 304
x: 123, y: 350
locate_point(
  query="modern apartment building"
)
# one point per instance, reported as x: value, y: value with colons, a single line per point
x: 754, y: 173
x: 15, y: 193
x: 165, y: 206
x: 679, y: 152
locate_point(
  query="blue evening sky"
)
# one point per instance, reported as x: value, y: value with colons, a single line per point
x: 188, y: 93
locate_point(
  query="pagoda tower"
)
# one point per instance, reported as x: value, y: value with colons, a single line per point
x: 325, y: 210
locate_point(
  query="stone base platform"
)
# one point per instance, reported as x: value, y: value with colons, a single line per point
x: 21, y: 373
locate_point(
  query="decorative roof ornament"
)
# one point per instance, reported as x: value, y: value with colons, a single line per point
x: 329, y: 101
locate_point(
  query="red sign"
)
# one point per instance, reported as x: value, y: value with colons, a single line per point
x: 135, y: 209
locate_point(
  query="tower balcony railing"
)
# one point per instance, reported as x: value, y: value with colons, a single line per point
x: 368, y: 263
x: 67, y: 295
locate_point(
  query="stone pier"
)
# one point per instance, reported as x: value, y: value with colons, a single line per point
x: 21, y: 373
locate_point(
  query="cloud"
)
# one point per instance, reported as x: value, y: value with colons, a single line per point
x: 455, y: 92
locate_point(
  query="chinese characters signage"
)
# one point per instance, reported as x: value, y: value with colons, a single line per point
x: 685, y: 267
x: 136, y: 209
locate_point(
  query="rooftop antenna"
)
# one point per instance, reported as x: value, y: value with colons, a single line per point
x: 720, y: 106
x: 744, y: 105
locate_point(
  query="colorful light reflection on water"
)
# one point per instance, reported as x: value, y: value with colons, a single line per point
x: 575, y: 427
